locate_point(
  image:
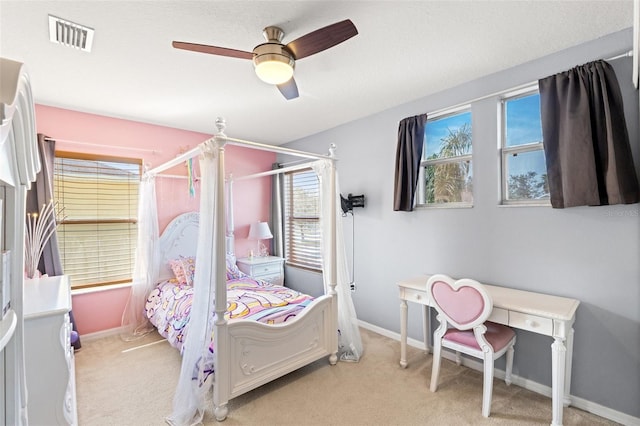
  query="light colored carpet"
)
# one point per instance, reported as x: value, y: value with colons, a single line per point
x: 136, y: 388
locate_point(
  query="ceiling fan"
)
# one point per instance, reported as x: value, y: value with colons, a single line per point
x: 274, y: 62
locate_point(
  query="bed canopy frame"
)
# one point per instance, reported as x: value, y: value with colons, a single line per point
x: 247, y: 354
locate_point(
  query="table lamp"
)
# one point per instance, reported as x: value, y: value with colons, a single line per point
x: 260, y: 231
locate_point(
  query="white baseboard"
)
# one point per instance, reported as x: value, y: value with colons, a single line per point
x: 102, y: 334
x: 583, y: 404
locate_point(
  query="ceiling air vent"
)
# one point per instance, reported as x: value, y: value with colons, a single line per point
x: 70, y: 34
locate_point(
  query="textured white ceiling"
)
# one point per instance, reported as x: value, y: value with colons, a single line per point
x: 405, y: 50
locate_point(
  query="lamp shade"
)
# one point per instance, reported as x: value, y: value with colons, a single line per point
x: 260, y: 231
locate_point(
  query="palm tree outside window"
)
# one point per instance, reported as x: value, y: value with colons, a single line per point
x: 446, y: 173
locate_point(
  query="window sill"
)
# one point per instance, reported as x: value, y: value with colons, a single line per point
x: 444, y: 206
x: 525, y: 205
x: 96, y: 289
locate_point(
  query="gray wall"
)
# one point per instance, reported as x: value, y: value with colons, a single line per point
x: 587, y: 253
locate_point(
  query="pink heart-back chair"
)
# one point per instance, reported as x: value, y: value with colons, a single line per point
x: 463, y: 307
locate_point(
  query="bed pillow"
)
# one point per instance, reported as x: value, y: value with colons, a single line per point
x: 184, y: 269
x: 233, y: 273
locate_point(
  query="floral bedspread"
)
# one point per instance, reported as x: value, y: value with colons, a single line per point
x: 169, y: 305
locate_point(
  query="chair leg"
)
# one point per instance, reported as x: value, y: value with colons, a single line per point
x: 509, y: 367
x: 435, y: 371
x: 458, y: 359
x: 487, y: 386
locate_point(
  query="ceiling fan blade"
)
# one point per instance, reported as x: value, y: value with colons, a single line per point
x: 213, y: 50
x: 289, y: 89
x: 322, y: 39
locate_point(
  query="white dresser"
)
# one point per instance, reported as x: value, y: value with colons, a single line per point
x: 49, y: 359
x: 266, y: 268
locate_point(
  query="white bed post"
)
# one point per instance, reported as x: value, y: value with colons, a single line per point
x: 231, y: 248
x: 222, y: 354
x: 333, y: 357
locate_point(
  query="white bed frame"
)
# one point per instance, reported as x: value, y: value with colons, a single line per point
x: 249, y: 354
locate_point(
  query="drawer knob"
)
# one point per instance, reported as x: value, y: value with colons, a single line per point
x: 418, y: 297
x: 530, y: 323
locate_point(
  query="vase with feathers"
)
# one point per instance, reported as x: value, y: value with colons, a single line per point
x: 40, y: 227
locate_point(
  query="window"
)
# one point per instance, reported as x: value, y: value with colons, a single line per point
x: 524, y: 173
x: 446, y: 172
x: 97, y: 214
x: 302, y: 219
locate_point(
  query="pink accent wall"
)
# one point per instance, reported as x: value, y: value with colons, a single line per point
x: 99, y: 310
x: 89, y: 133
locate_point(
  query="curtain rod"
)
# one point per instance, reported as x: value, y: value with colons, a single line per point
x: 513, y: 89
x: 52, y: 139
x: 169, y: 176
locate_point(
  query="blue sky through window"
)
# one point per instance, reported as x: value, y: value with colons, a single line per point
x: 523, y: 126
x: 523, y: 123
x: 437, y: 130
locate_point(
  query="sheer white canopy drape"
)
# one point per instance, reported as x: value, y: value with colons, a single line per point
x: 349, y: 339
x: 189, y: 401
x: 147, y: 265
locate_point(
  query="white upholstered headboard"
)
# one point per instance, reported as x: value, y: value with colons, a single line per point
x: 180, y: 238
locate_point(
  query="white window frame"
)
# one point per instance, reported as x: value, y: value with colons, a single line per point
x: 422, y: 190
x: 307, y: 257
x: 505, y: 152
x: 65, y: 220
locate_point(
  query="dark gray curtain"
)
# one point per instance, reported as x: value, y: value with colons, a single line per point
x: 408, y: 158
x: 276, y: 214
x: 41, y: 192
x: 585, y: 138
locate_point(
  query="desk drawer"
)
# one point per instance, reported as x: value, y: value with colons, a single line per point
x: 531, y: 323
x: 416, y: 296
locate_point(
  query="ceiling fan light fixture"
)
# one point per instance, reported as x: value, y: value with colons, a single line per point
x: 274, y: 72
x: 273, y: 64
x: 273, y: 61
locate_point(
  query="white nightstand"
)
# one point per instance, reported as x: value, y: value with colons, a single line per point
x: 267, y: 268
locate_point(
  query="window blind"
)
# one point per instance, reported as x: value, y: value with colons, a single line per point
x: 302, y: 219
x: 97, y: 215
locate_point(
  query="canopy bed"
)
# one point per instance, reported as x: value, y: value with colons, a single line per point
x: 247, y: 353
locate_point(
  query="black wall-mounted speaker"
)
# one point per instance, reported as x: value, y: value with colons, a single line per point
x: 347, y: 204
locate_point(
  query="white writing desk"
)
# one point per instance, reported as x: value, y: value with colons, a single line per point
x: 539, y: 313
